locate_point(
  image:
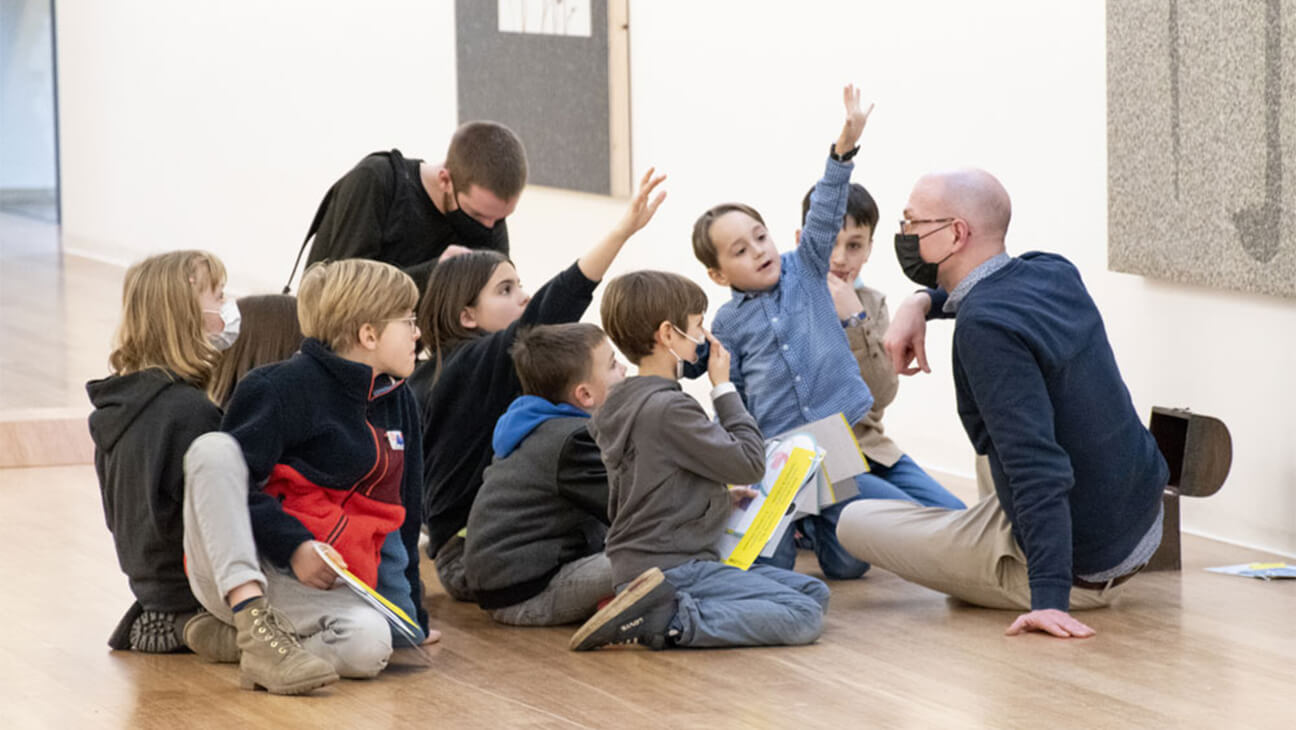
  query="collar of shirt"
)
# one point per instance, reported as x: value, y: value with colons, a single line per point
x: 974, y: 277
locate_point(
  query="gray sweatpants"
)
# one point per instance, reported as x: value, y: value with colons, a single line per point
x: 335, y: 625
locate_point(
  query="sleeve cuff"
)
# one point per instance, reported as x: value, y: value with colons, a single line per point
x: 1049, y: 595
x: 723, y: 389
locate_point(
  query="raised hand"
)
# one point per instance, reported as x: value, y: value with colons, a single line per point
x: 856, y: 118
x: 641, y: 210
x: 594, y: 264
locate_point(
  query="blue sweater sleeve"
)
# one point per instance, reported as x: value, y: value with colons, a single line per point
x: 827, y: 210
x: 1013, y: 402
x: 938, y: 299
x: 257, y: 420
x: 412, y: 497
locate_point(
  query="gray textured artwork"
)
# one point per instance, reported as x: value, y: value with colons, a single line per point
x: 1201, y: 108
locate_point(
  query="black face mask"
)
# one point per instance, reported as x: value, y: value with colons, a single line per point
x: 697, y: 368
x: 470, y: 232
x: 909, y: 254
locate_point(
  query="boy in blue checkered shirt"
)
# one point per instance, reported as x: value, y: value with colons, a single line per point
x: 791, y: 361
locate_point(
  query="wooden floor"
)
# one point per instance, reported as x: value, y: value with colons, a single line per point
x: 1180, y: 650
x: 1190, y: 649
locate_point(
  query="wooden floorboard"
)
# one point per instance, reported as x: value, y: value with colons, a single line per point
x: 1191, y: 649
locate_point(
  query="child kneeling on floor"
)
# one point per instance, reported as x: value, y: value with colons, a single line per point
x: 533, y: 553
x: 668, y: 465
x: 327, y: 444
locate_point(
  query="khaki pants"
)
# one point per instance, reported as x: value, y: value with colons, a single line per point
x: 969, y: 554
x: 220, y: 554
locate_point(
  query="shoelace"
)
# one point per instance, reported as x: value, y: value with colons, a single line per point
x: 278, y: 630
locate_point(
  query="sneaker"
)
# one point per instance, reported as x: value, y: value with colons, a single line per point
x: 211, y: 639
x: 272, y: 657
x: 641, y: 614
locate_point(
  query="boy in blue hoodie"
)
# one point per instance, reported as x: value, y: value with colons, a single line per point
x: 533, y: 553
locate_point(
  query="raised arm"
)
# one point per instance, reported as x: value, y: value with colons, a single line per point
x: 594, y: 264
x: 828, y: 199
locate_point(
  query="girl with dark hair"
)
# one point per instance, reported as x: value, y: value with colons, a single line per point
x: 270, y: 332
x: 470, y: 316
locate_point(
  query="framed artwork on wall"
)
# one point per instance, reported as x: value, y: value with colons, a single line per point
x: 1201, y: 129
x: 558, y: 73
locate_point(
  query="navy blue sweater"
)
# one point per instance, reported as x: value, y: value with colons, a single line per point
x: 1039, y: 392
x: 334, y: 453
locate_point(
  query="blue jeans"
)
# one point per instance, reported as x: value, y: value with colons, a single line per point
x: 905, y: 481
x: 719, y: 605
x: 392, y: 583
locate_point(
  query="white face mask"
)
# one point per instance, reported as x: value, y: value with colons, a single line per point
x: 229, y: 314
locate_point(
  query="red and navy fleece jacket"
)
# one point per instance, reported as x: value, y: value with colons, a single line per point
x: 334, y: 453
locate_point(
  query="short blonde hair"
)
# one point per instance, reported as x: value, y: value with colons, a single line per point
x: 336, y: 298
x: 161, y: 325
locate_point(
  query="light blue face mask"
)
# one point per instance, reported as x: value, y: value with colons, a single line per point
x: 230, y: 316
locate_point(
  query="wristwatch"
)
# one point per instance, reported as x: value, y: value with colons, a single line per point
x: 832, y: 152
x: 853, y: 321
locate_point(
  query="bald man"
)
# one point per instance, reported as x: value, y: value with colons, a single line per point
x: 1076, y: 509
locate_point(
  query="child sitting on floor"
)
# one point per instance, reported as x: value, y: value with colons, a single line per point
x: 533, y: 555
x: 668, y: 464
x: 174, y: 319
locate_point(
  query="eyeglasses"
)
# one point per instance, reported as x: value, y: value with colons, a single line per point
x: 411, y: 321
x: 904, y: 222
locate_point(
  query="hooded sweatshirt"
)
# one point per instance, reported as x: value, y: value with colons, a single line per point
x: 668, y: 467
x: 142, y: 425
x: 460, y: 406
x: 543, y: 503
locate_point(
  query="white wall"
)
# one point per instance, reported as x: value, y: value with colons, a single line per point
x: 220, y: 125
x: 26, y: 96
x: 736, y: 100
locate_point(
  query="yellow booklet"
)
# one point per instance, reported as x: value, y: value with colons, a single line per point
x: 405, y: 626
x: 757, y: 524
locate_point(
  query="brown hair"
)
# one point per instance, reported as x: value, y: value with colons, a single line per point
x: 455, y: 283
x: 161, y: 324
x: 269, y: 333
x: 635, y: 305
x: 551, y: 359
x: 703, y: 247
x: 489, y: 155
x: 336, y: 298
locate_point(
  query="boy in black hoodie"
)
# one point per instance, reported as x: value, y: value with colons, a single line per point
x: 533, y: 554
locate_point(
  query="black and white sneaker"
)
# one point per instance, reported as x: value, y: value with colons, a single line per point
x: 641, y: 614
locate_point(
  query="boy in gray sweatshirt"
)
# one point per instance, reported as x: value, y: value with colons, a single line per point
x: 668, y: 466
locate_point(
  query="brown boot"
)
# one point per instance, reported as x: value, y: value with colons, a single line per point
x: 211, y: 639
x: 272, y: 656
